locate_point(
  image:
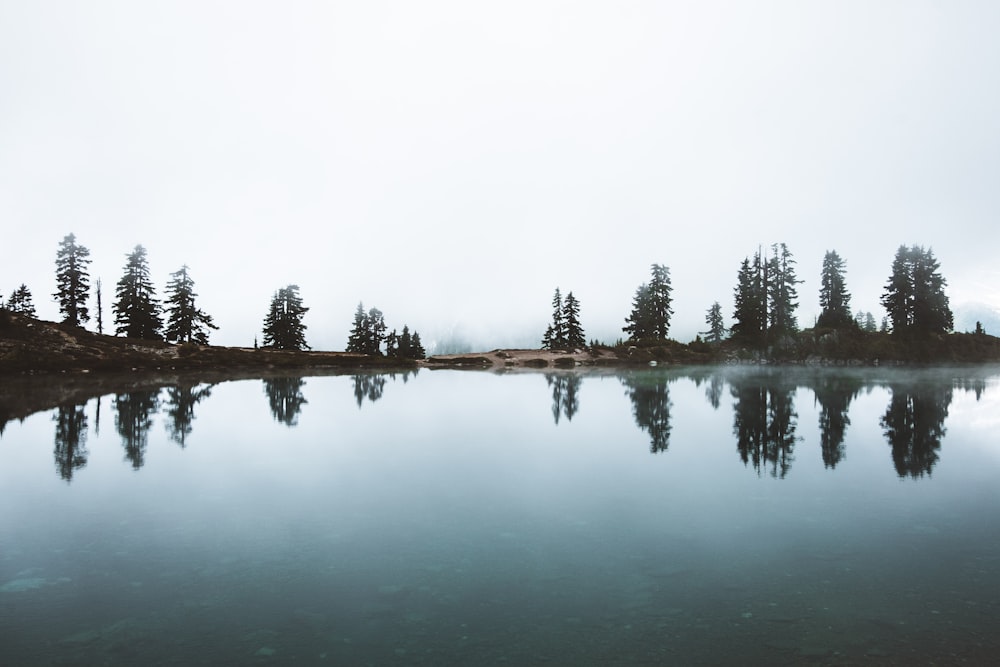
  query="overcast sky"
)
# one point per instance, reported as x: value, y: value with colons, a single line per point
x: 452, y: 163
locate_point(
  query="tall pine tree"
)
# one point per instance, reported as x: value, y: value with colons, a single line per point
x: 834, y: 299
x: 283, y: 326
x: 914, y: 297
x: 651, y: 307
x: 137, y: 312
x: 555, y: 334
x: 716, y: 325
x: 72, y: 281
x: 575, y: 337
x: 186, y: 323
x: 782, y: 293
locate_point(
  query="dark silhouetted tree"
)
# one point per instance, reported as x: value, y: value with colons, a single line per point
x: 283, y: 326
x: 575, y: 337
x: 834, y: 299
x: 368, y: 332
x: 782, y: 293
x: 72, y: 281
x: 137, y: 313
x: 651, y: 309
x: 749, y: 313
x: 404, y: 345
x: 914, y: 297
x: 555, y: 334
x: 186, y: 323
x: 716, y: 326
x: 20, y: 302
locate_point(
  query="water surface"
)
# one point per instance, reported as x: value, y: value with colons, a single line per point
x: 659, y: 517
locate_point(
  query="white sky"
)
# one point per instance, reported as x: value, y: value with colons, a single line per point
x: 452, y: 162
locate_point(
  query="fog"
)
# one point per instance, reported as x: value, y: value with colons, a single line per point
x: 452, y: 163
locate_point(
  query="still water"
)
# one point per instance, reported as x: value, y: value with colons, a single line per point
x: 701, y: 516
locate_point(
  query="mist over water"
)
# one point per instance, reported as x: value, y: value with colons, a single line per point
x: 693, y: 516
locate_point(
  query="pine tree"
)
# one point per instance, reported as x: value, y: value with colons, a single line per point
x: 375, y: 332
x: 185, y: 322
x: 651, y: 307
x: 137, y: 313
x: 368, y: 332
x: 782, y: 293
x: 283, y: 327
x: 417, y: 350
x: 555, y: 333
x: 72, y: 281
x: 834, y: 299
x: 914, y: 298
x: 20, y: 302
x: 716, y: 326
x: 358, y: 335
x: 574, y: 331
x: 749, y: 317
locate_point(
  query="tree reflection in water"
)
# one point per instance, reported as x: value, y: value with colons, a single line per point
x: 284, y: 395
x: 70, y: 440
x: 565, y: 394
x: 764, y: 423
x: 834, y: 393
x: 181, y: 399
x: 913, y: 424
x: 133, y: 419
x: 651, y: 408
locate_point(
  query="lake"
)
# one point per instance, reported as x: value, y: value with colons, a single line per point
x: 684, y: 516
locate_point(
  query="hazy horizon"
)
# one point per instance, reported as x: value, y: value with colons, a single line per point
x: 452, y: 164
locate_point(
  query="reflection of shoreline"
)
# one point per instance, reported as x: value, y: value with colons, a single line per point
x: 23, y: 396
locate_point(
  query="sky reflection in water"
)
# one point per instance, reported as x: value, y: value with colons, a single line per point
x: 738, y: 516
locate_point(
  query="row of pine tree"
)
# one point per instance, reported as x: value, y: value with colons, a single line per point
x: 765, y: 302
x: 766, y: 298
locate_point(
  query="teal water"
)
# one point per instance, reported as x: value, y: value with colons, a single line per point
x: 461, y: 518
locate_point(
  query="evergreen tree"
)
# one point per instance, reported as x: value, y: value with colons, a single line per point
x: 72, y: 281
x: 571, y: 317
x: 834, y: 299
x: 651, y: 307
x: 375, y: 331
x: 393, y: 344
x: 405, y: 345
x: 417, y: 350
x: 185, y: 322
x: 555, y: 334
x: 283, y: 327
x: 356, y: 340
x: 20, y: 301
x: 914, y: 297
x: 716, y: 326
x: 137, y: 313
x: 368, y: 332
x: 782, y: 293
x: 749, y: 318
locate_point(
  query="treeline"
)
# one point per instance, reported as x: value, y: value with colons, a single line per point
x: 138, y: 313
x: 765, y: 301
